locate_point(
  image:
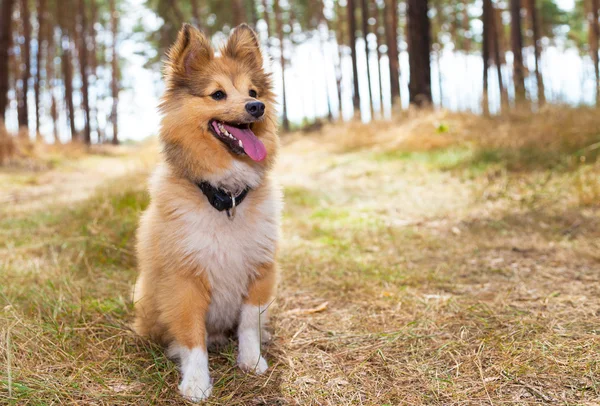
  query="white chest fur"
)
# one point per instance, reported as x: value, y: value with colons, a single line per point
x: 230, y: 250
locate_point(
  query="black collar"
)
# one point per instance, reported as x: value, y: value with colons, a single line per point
x: 220, y: 199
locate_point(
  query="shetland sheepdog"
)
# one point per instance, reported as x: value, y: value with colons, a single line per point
x: 206, y: 244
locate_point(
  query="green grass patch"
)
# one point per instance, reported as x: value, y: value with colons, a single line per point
x: 297, y: 196
x: 442, y: 159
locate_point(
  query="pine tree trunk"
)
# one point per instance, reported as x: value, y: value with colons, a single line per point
x: 5, y: 44
x: 83, y: 68
x: 378, y: 27
x: 365, y: 31
x: 485, y: 53
x: 340, y: 32
x: 14, y: 62
x: 495, y: 33
x: 351, y: 8
x: 67, y: 67
x: 267, y: 22
x: 238, y: 12
x: 68, y: 82
x: 438, y: 49
x: 115, y: 72
x: 502, y: 43
x: 41, y: 40
x: 594, y: 39
x: 466, y: 26
x: 279, y: 27
x: 516, y: 36
x: 535, y: 28
x: 50, y: 78
x: 437, y: 28
x: 419, y: 49
x: 93, y: 60
x: 323, y: 36
x: 391, y: 35
x: 22, y: 107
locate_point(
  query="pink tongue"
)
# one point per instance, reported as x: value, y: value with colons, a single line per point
x: 253, y: 147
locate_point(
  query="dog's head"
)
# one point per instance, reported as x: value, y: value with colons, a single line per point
x: 218, y: 110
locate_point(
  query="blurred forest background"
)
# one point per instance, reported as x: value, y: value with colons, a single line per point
x: 62, y: 62
x: 441, y: 229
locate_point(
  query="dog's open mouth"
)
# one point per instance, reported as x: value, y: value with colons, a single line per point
x: 239, y: 139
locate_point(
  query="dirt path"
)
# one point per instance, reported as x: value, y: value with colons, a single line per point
x: 73, y: 180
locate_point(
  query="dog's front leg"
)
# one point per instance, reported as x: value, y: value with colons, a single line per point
x: 253, y: 318
x: 185, y: 313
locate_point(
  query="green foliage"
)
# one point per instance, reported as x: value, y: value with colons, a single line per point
x: 551, y: 18
x: 578, y: 27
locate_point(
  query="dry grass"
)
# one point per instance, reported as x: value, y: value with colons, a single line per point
x: 556, y: 136
x: 587, y: 185
x: 7, y: 145
x: 413, y: 272
x: 19, y: 153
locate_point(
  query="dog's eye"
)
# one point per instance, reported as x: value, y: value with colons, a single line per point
x: 218, y: 95
x: 253, y: 94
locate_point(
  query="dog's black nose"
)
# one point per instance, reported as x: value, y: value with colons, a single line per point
x: 256, y: 108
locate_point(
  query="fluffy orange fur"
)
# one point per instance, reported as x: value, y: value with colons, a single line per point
x: 192, y: 74
x: 174, y: 294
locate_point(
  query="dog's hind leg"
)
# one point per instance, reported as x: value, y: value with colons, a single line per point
x: 253, y: 318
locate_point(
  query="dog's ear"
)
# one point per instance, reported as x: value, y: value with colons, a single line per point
x: 190, y: 53
x: 243, y: 46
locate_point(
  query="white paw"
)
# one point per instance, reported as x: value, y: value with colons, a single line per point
x: 252, y: 363
x: 195, y: 386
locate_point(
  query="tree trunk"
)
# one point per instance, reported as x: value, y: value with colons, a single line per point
x: 516, y: 37
x: 50, y: 78
x: 365, y: 31
x: 391, y: 35
x: 83, y: 69
x: 238, y: 12
x: 340, y: 32
x: 42, y: 40
x: 93, y: 61
x: 537, y: 46
x: 267, y: 22
x: 5, y: 44
x: 495, y: 33
x: 594, y: 39
x: 503, y: 45
x: 437, y: 28
x: 279, y: 27
x: 115, y: 72
x: 324, y: 33
x: 351, y: 8
x: 486, y: 18
x: 419, y: 48
x: 67, y: 68
x: 22, y: 107
x: 466, y: 26
x: 378, y: 27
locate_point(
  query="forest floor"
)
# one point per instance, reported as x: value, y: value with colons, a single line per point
x: 440, y: 259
